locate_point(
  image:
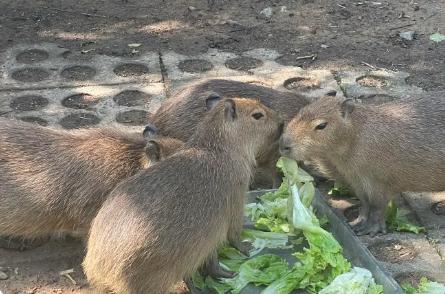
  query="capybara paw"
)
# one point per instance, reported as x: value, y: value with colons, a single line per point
x: 243, y: 247
x: 218, y: 272
x: 357, y: 224
x: 20, y: 244
x: 372, y: 228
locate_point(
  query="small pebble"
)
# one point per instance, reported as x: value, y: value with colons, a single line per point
x: 398, y: 247
x: 267, y: 12
x: 407, y: 35
x: 3, y: 276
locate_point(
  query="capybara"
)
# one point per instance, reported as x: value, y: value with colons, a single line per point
x: 179, y: 115
x: 160, y: 225
x: 54, y: 181
x: 378, y: 151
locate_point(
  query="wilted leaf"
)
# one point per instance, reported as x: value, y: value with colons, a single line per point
x: 437, y: 37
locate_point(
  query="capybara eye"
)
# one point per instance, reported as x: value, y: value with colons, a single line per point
x: 321, y: 126
x: 257, y: 115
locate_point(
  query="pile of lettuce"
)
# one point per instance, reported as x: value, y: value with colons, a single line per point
x: 425, y: 287
x: 283, y: 219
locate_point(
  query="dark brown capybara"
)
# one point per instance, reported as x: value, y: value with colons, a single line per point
x: 179, y: 115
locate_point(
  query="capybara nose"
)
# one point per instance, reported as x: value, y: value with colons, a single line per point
x: 285, y: 146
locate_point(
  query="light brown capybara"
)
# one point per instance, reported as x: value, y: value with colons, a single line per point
x: 54, y: 181
x: 160, y: 225
x: 377, y: 150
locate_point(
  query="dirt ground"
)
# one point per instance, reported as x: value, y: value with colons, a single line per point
x: 313, y: 34
x: 338, y: 33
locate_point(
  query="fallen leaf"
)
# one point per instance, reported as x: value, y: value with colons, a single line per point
x: 437, y: 37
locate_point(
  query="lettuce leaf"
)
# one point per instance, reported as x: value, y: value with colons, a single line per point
x: 356, y: 281
x: 425, y: 287
x: 397, y: 220
x: 260, y: 270
x: 261, y: 240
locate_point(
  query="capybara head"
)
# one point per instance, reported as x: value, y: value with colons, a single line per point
x: 244, y: 121
x: 318, y: 129
x: 159, y: 147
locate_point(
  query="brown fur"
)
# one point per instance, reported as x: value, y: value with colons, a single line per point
x: 159, y: 226
x: 179, y: 115
x: 55, y: 180
x: 379, y: 151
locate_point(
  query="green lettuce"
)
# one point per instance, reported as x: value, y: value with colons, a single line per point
x: 261, y: 240
x: 231, y: 259
x: 425, y: 287
x: 320, y: 263
x: 356, y: 281
x: 397, y: 220
x: 260, y: 270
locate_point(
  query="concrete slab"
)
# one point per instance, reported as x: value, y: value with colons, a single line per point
x: 425, y: 206
x: 46, y: 65
x: 104, y: 102
x: 254, y: 66
x: 365, y: 84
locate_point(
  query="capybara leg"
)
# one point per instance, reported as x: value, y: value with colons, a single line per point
x: 22, y: 244
x: 362, y: 218
x: 242, y: 247
x: 378, y: 202
x: 213, y: 268
x: 360, y: 222
x: 376, y: 222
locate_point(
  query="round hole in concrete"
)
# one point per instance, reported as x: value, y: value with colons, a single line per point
x: 243, y: 63
x: 32, y: 56
x: 195, y: 65
x: 372, y: 81
x: 393, y: 251
x: 377, y: 98
x: 352, y: 212
x: 30, y: 75
x: 78, y: 73
x: 28, y: 103
x: 133, y: 117
x: 438, y: 208
x: 80, y: 101
x: 35, y: 120
x: 132, y: 98
x: 131, y: 70
x: 79, y: 120
x: 301, y: 84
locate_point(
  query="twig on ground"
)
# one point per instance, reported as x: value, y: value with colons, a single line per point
x: 368, y: 65
x: 401, y: 27
x: 312, y: 56
x: 82, y: 13
x: 67, y: 273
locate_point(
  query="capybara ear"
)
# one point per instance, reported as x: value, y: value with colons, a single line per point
x: 230, y: 109
x: 153, y: 150
x: 331, y: 93
x: 150, y: 131
x: 212, y: 100
x: 347, y: 107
